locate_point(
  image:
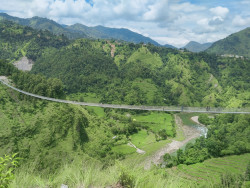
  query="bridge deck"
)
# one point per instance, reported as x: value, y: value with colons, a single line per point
x: 141, y: 107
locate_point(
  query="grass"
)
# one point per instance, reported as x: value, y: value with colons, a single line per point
x: 123, y: 149
x: 142, y: 138
x: 90, y: 173
x: 156, y: 121
x: 145, y: 56
x: 97, y: 110
x: 212, y: 169
x: 186, y: 118
x: 180, y: 136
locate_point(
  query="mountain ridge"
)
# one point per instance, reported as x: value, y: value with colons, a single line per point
x: 78, y: 30
x: 235, y: 44
x: 194, y: 46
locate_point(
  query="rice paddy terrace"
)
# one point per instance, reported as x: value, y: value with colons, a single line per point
x: 212, y: 169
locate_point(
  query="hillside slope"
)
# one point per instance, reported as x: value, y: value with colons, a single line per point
x: 193, y: 46
x: 43, y: 24
x: 235, y: 44
x: 17, y: 41
x: 100, y: 32
x: 80, y: 31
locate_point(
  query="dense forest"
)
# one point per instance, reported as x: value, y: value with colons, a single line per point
x: 234, y: 44
x: 152, y: 75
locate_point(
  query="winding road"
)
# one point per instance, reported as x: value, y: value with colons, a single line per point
x: 134, y: 107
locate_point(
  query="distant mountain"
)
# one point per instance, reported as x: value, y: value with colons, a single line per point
x: 101, y: 32
x: 193, y: 46
x: 235, y: 44
x: 80, y: 31
x: 169, y: 46
x: 44, y: 24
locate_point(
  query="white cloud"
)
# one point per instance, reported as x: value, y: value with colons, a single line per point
x: 186, y: 7
x: 168, y: 21
x: 220, y: 11
x: 239, y: 21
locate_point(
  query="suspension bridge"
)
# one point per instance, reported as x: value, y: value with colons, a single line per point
x: 139, y: 107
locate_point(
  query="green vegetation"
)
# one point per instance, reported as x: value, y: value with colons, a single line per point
x: 157, y: 121
x: 17, y: 41
x: 123, y: 149
x: 205, y: 120
x: 87, y: 146
x: 235, y: 44
x: 8, y: 165
x: 213, y: 172
x: 227, y: 135
x: 79, y: 31
x: 137, y: 74
x: 186, y: 118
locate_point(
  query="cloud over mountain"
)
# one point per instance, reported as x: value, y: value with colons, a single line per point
x: 171, y: 21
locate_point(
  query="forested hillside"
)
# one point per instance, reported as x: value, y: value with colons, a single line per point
x: 77, y: 31
x: 101, y: 32
x: 152, y: 75
x: 55, y: 140
x: 235, y: 44
x: 62, y: 143
x: 17, y: 41
x: 116, y: 71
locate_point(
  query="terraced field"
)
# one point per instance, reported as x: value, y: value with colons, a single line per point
x: 212, y: 169
x: 156, y: 121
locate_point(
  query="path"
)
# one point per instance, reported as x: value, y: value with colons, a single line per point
x: 141, y: 107
x: 137, y: 149
x: 112, y: 53
x: 189, y: 132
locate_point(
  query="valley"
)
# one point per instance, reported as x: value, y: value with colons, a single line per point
x: 104, y: 112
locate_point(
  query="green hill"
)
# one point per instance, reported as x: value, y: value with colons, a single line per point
x: 43, y: 24
x: 193, y: 46
x: 235, y: 44
x: 100, y: 32
x: 17, y: 41
x: 82, y: 147
x: 80, y: 31
x: 114, y: 69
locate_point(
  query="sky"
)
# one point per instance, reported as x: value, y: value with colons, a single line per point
x: 174, y: 22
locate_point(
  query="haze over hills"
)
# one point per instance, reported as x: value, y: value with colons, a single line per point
x: 80, y: 31
x: 43, y: 24
x: 169, y: 46
x: 235, y: 44
x: 193, y: 46
x: 101, y: 32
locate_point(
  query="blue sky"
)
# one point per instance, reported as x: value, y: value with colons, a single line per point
x: 174, y: 22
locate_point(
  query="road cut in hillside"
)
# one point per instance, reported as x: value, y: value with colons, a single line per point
x: 189, y: 132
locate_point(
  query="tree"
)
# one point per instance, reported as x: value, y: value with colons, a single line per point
x: 163, y: 134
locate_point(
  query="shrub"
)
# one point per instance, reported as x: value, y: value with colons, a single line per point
x: 126, y: 179
x: 8, y: 165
